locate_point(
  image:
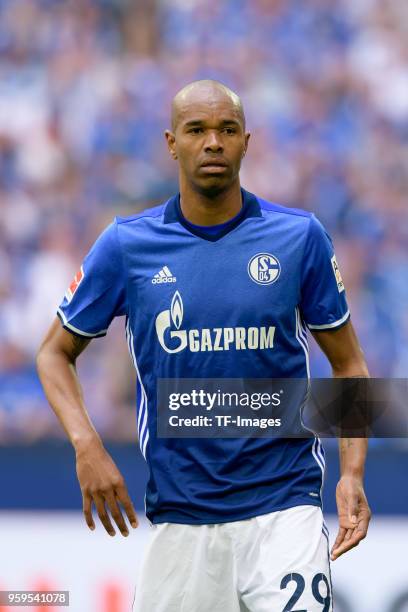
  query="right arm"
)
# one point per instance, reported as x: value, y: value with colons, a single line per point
x: 99, y: 478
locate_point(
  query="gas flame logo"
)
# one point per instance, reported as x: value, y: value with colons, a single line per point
x: 176, y: 310
x: 168, y: 319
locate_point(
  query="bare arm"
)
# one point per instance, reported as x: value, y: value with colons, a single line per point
x: 347, y: 360
x: 99, y: 478
x: 56, y: 367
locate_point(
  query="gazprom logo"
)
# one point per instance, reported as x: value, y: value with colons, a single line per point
x: 264, y: 268
x: 173, y: 339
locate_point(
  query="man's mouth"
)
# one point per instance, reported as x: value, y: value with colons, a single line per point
x: 214, y: 165
x: 214, y: 162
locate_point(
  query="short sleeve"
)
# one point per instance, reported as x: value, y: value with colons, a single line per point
x: 97, y: 293
x: 323, y: 301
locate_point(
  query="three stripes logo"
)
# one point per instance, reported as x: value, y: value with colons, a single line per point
x: 164, y: 276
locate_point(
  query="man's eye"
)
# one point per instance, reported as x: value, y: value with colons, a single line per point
x: 230, y: 130
x: 196, y: 130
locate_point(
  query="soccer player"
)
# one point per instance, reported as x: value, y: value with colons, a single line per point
x: 215, y: 283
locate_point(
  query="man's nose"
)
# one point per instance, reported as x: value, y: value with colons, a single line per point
x: 213, y: 142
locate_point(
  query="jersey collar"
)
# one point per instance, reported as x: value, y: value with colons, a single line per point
x: 250, y: 208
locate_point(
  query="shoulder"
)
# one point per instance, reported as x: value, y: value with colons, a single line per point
x: 304, y: 220
x: 273, y: 208
x: 285, y: 218
x: 294, y: 221
x: 156, y: 212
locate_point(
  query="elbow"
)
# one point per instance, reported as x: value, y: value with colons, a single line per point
x: 40, y: 359
x: 44, y: 356
x: 350, y: 369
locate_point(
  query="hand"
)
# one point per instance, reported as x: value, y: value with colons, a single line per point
x: 101, y: 482
x: 354, y: 515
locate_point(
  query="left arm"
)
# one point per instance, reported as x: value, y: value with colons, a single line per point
x: 347, y: 360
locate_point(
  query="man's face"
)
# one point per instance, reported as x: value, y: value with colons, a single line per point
x: 209, y: 143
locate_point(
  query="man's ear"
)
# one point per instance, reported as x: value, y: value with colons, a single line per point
x: 171, y: 143
x: 247, y: 137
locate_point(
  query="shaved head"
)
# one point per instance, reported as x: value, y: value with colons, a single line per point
x: 206, y: 91
x: 207, y: 138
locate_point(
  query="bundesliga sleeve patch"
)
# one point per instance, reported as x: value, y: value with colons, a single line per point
x: 336, y: 270
x: 75, y: 284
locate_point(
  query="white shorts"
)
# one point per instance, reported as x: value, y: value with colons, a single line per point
x: 276, y: 562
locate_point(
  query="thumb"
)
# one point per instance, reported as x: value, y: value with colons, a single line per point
x: 353, y: 509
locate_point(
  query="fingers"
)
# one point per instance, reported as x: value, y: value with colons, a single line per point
x: 87, y: 509
x: 123, y: 497
x: 354, y: 515
x: 348, y: 534
x: 102, y: 513
x: 116, y: 513
x: 351, y: 538
x: 339, y: 539
x: 110, y: 497
x: 346, y: 545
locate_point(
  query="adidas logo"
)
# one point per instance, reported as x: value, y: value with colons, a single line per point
x: 164, y: 276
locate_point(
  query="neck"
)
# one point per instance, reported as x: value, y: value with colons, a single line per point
x: 202, y: 209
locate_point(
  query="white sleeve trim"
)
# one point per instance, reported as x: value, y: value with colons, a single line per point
x: 331, y: 325
x: 79, y: 331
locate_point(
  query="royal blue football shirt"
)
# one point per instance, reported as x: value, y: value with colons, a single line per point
x: 199, y: 305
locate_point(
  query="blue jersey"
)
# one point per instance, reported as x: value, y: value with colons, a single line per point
x: 197, y: 305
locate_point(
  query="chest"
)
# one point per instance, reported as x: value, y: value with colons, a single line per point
x: 245, y: 278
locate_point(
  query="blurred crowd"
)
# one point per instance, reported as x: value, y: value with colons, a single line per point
x: 85, y: 91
